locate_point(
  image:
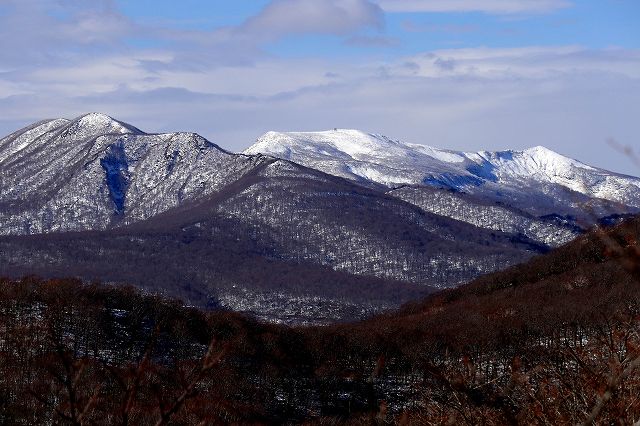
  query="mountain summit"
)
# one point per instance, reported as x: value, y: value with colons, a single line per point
x: 376, y: 158
x: 94, y: 172
x: 535, y: 192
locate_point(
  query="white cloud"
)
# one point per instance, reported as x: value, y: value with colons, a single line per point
x: 567, y: 98
x: 485, y: 6
x: 525, y: 62
x: 33, y: 32
x: 281, y: 17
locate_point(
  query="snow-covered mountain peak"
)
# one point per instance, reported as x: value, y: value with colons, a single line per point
x: 361, y: 156
x: 95, y: 124
x: 98, y: 124
x: 22, y: 138
x: 531, y: 162
x: 545, y: 156
x: 540, y: 150
x: 95, y: 172
x: 95, y: 117
x: 339, y: 143
x: 378, y: 159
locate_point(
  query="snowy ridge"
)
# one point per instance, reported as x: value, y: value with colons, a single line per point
x: 356, y: 155
x: 95, y: 172
x: 359, y: 155
x: 376, y: 158
x: 20, y: 140
x: 536, y: 192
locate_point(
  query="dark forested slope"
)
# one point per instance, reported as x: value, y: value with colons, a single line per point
x: 277, y: 240
x: 553, y: 341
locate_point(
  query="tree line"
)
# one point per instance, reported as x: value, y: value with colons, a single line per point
x: 553, y: 341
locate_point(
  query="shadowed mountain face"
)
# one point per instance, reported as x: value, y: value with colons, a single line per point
x: 174, y: 213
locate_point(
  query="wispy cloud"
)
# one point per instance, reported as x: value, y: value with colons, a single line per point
x: 480, y: 98
x: 45, y: 31
x: 282, y: 17
x: 485, y: 6
x: 418, y: 27
x: 534, y: 62
x: 372, y: 41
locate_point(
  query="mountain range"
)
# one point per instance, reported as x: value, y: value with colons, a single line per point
x: 539, y: 340
x: 301, y: 227
x: 536, y: 192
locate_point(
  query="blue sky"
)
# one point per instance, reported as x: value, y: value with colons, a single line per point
x: 591, y: 23
x: 459, y: 74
